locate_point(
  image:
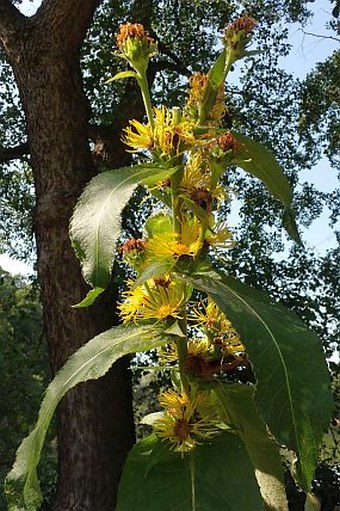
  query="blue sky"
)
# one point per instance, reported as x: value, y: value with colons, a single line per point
x: 306, y: 51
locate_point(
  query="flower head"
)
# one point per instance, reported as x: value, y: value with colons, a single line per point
x: 238, y: 34
x: 172, y: 245
x: 226, y: 142
x: 135, y: 45
x: 172, y: 133
x: 138, y: 136
x: 153, y: 300
x: 133, y: 252
x: 198, y: 86
x: 196, y: 182
x: 183, y: 423
x: 217, y: 327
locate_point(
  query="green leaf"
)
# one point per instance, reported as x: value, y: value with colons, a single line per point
x: 96, y: 222
x: 289, y: 223
x: 90, y: 298
x: 215, y: 476
x: 293, y: 392
x: 156, y: 268
x: 239, y: 410
x: 90, y: 362
x: 261, y: 163
x: 121, y: 75
x: 158, y: 224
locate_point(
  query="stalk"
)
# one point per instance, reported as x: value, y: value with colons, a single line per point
x: 182, y: 352
x: 144, y: 87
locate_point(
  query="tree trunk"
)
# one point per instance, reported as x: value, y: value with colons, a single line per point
x: 95, y: 420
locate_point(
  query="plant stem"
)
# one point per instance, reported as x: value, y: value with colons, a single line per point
x: 144, y: 87
x: 229, y: 62
x: 182, y: 352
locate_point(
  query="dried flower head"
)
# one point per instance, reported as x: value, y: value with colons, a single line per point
x: 131, y: 245
x: 135, y: 45
x: 238, y: 34
x: 226, y: 142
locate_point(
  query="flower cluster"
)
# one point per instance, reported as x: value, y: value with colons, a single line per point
x: 191, y: 143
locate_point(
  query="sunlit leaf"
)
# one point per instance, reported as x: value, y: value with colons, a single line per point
x: 215, y: 476
x: 96, y: 222
x: 121, y: 75
x: 216, y: 78
x: 90, y: 298
x: 90, y: 362
x: 293, y: 392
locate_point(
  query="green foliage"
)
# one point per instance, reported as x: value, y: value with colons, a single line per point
x: 23, y: 366
x: 293, y: 398
x: 216, y: 475
x: 90, y: 362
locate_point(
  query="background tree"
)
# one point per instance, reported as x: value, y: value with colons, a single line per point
x: 63, y: 125
x: 23, y: 360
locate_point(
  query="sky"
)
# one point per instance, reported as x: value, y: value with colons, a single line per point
x: 306, y: 51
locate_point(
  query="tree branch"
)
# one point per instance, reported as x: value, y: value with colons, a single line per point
x: 163, y: 48
x: 11, y: 21
x: 13, y: 153
x: 320, y: 36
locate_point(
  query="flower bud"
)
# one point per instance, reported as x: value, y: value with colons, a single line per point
x: 132, y: 251
x: 238, y: 34
x: 135, y: 45
x: 224, y: 147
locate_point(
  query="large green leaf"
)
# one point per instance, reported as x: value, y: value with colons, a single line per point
x: 261, y: 163
x: 96, y: 222
x: 216, y: 476
x: 237, y: 408
x: 293, y: 392
x: 90, y: 362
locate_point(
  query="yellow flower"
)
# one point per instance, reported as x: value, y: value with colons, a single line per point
x: 182, y: 424
x: 198, y: 86
x: 219, y: 236
x: 171, y: 135
x: 138, y: 136
x: 153, y: 300
x: 196, y: 347
x: 196, y: 182
x: 217, y: 327
x: 196, y: 173
x: 169, y: 244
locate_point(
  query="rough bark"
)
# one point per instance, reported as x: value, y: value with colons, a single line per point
x: 95, y: 422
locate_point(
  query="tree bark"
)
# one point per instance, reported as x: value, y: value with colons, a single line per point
x: 95, y: 420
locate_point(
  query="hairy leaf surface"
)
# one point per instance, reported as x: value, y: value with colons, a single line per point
x: 96, y: 222
x: 90, y: 362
